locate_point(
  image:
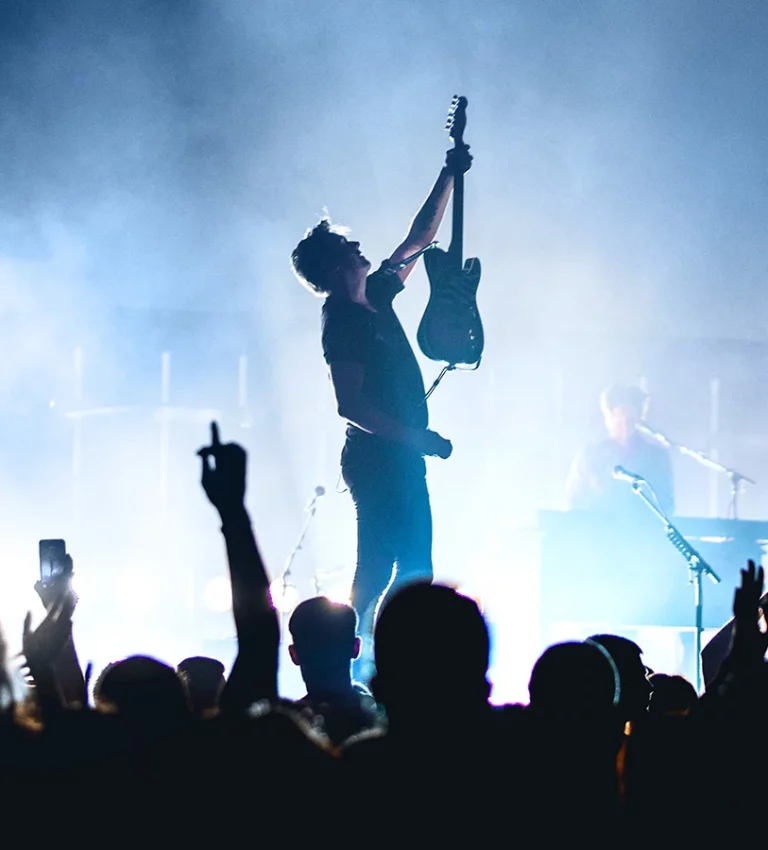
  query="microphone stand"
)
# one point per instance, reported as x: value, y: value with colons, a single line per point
x: 697, y: 567
x: 310, y: 511
x: 736, y: 478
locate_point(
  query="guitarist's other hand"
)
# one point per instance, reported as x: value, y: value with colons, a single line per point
x: 431, y: 444
x: 458, y: 160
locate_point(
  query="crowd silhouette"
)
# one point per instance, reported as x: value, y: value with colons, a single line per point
x: 606, y: 752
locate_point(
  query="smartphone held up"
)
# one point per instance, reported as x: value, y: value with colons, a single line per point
x: 54, y: 561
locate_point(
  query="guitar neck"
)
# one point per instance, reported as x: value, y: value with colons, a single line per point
x: 456, y: 249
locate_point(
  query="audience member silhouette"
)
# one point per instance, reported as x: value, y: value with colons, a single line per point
x: 325, y: 642
x: 142, y: 689
x: 633, y: 675
x: 443, y: 740
x: 431, y: 648
x: 671, y: 696
x: 574, y: 738
x: 574, y: 681
x: 204, y: 680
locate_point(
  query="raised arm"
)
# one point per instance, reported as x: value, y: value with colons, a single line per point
x: 50, y: 652
x: 64, y: 660
x: 425, y: 225
x: 741, y: 672
x: 254, y: 675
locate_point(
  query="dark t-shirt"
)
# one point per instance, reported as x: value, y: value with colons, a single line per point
x: 591, y: 485
x: 393, y: 383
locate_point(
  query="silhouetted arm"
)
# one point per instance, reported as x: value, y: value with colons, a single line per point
x: 50, y: 654
x: 55, y: 641
x: 254, y: 674
x: 742, y: 670
x: 69, y: 676
x: 715, y: 652
x: 425, y: 225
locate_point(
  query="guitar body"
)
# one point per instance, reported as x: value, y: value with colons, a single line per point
x: 451, y: 329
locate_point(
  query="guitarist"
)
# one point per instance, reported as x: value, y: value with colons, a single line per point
x: 380, y: 393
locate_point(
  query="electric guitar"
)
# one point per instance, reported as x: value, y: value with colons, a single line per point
x: 451, y: 329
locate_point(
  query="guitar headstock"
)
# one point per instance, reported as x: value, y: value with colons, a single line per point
x: 457, y: 119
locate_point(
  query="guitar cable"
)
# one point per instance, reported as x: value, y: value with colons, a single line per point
x: 451, y: 368
x: 341, y: 486
x: 445, y: 370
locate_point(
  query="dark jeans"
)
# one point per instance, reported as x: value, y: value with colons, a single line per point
x: 394, y: 526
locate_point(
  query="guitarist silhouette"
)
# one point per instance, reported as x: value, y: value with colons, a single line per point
x: 380, y: 393
x: 451, y: 329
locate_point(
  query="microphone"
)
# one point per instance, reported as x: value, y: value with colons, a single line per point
x: 319, y: 491
x: 621, y: 474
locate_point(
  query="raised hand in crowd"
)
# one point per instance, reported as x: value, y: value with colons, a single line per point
x: 69, y: 675
x: 743, y: 665
x: 749, y: 641
x: 718, y: 648
x: 49, y: 650
x: 224, y: 474
x: 254, y: 674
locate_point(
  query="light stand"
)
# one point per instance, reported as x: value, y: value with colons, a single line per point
x: 697, y: 567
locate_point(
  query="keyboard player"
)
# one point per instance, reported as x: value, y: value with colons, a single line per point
x: 591, y: 485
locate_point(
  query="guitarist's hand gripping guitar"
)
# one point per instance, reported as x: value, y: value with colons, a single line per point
x: 451, y: 329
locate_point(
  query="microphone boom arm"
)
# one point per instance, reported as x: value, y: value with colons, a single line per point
x: 736, y: 478
x: 698, y: 456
